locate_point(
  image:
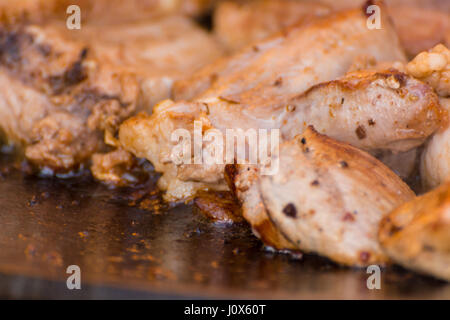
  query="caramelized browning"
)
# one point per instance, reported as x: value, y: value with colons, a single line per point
x: 219, y: 206
x: 417, y: 234
x: 433, y: 67
x: 62, y: 90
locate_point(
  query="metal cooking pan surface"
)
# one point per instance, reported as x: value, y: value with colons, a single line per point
x: 129, y: 246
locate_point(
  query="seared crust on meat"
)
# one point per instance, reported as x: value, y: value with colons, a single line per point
x: 79, y: 98
x: 244, y: 182
x: 368, y: 109
x: 219, y: 207
x: 98, y: 11
x: 291, y: 61
x: 150, y: 137
x: 358, y: 109
x: 419, y: 24
x: 435, y: 160
x: 113, y: 167
x: 417, y: 234
x: 69, y: 87
x: 263, y: 87
x: 328, y: 197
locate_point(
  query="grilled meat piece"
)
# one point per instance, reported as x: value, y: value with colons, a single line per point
x: 435, y: 161
x: 433, y: 67
x: 289, y: 63
x: 149, y: 137
x: 158, y: 52
x: 442, y: 5
x: 254, y: 89
x: 417, y: 234
x: 114, y: 11
x: 219, y: 207
x: 257, y: 20
x: 420, y: 24
x: 244, y: 182
x: 52, y: 104
x: 318, y: 200
x: 371, y: 110
x: 114, y: 167
x: 357, y: 109
x: 61, y: 89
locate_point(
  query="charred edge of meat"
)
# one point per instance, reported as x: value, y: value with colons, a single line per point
x: 395, y: 80
x: 91, y: 97
x: 346, y: 83
x: 206, y: 20
x: 400, y: 77
x: 14, y: 44
x: 72, y: 76
x: 14, y: 41
x: 392, y: 228
x: 290, y: 210
x: 230, y: 176
x: 274, y: 225
x: 219, y: 206
x: 10, y: 46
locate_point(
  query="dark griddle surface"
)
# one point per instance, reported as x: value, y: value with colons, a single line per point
x: 127, y: 252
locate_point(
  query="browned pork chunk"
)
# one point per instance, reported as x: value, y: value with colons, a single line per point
x: 433, y: 67
x: 417, y: 234
x: 263, y: 87
x: 318, y: 201
x: 371, y: 110
x: 286, y: 64
x: 244, y: 183
x: 61, y: 89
